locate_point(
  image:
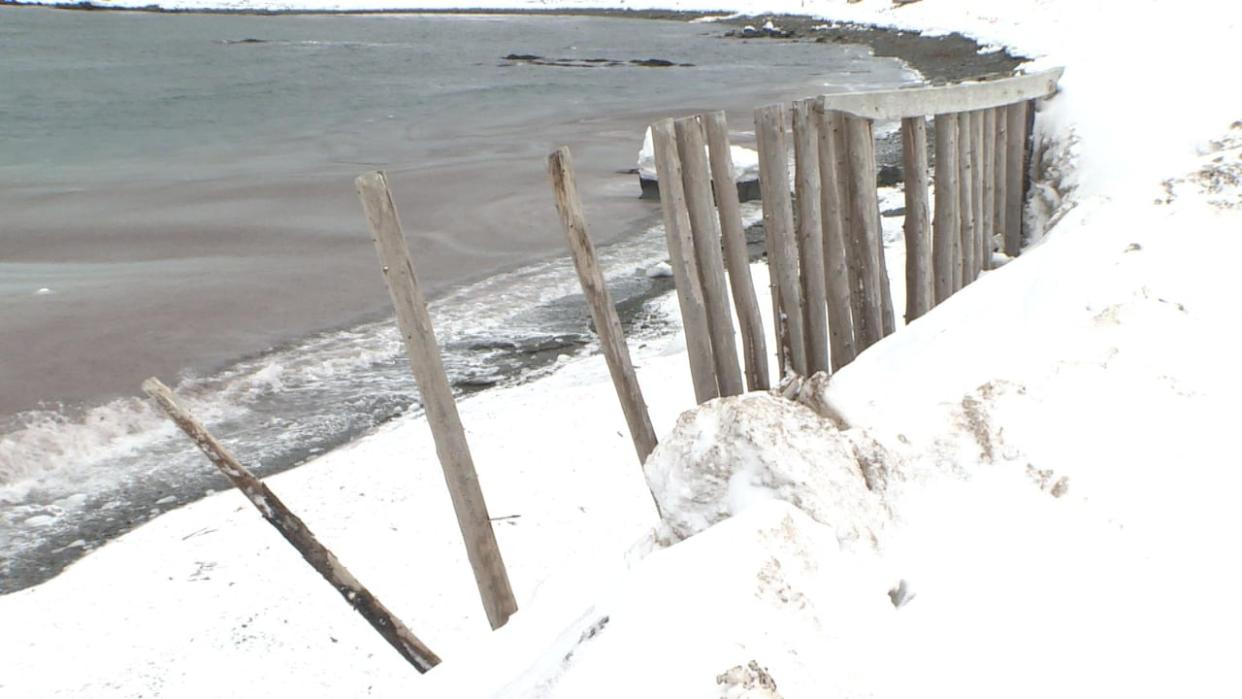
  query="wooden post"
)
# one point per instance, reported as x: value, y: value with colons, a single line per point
x: 976, y: 188
x: 1000, y: 174
x: 866, y: 211
x: 988, y: 170
x: 849, y: 228
x: 946, y: 223
x: 920, y: 287
x: 603, y: 312
x: 836, y: 270
x: 705, y: 230
x: 887, y: 317
x: 810, y: 234
x: 779, y: 226
x: 737, y: 258
x: 965, y: 194
x: 681, y: 256
x: 1015, y: 118
x: 437, y: 397
x: 296, y: 532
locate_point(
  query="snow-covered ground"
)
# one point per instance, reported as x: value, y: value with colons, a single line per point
x: 1035, y: 496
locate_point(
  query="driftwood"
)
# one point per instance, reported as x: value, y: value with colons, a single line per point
x: 295, y: 531
x: 945, y: 99
x: 437, y: 397
x: 705, y: 230
x: 603, y: 312
x: 737, y: 258
x: 681, y: 257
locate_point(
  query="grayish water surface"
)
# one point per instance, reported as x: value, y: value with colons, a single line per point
x: 176, y: 199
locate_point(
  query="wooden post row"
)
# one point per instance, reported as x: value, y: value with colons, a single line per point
x: 947, y: 223
x: 779, y: 229
x: 810, y: 234
x: 437, y: 396
x: 705, y: 232
x: 682, y: 258
x: 920, y: 285
x: 737, y: 258
x: 842, y: 349
x: 603, y: 312
x: 295, y: 531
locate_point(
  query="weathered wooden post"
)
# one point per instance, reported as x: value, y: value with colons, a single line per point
x: 849, y: 226
x: 866, y: 210
x: 295, y: 531
x: 779, y: 227
x: 1000, y: 174
x: 437, y: 397
x: 946, y: 223
x: 745, y: 302
x: 682, y: 258
x: 1015, y: 157
x: 705, y: 230
x: 603, y: 312
x: 977, y: 150
x: 966, y: 207
x: 836, y: 260
x: 920, y: 287
x: 810, y: 234
x: 989, y: 185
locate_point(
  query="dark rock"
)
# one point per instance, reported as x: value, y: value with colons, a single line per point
x: 523, y: 57
x: 889, y: 175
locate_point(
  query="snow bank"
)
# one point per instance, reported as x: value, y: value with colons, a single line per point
x: 745, y: 161
x: 730, y: 453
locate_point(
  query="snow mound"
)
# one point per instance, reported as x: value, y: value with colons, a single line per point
x: 745, y: 161
x: 730, y: 453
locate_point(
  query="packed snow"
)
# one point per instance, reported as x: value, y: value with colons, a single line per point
x: 1027, y: 492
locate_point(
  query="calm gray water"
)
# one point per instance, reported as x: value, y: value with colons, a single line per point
x: 176, y: 199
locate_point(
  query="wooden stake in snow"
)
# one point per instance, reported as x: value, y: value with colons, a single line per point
x: 946, y: 223
x: 779, y: 227
x: 603, y: 312
x: 681, y: 258
x: 977, y: 150
x: 966, y: 203
x: 989, y: 185
x: 754, y: 349
x: 836, y: 262
x: 1015, y: 161
x: 1000, y: 175
x: 705, y: 230
x: 866, y: 210
x: 437, y: 396
x: 810, y: 234
x: 295, y: 532
x: 920, y: 291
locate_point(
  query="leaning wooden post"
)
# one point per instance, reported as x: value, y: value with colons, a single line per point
x: 681, y: 257
x: 810, y: 234
x: 836, y: 264
x: 437, y: 397
x: 965, y: 198
x: 603, y: 312
x: 779, y: 226
x: 988, y: 171
x: 1015, y: 156
x: 296, y: 532
x: 920, y: 288
x: 849, y: 228
x: 866, y: 210
x: 946, y: 223
x: 705, y: 229
x: 745, y: 302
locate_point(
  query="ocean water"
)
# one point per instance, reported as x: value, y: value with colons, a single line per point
x: 176, y: 199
